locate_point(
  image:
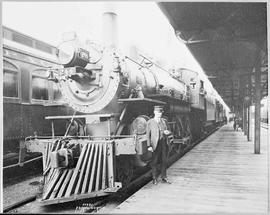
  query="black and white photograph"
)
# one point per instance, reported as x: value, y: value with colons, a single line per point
x: 134, y: 107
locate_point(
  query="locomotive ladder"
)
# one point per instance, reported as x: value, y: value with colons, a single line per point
x: 92, y: 176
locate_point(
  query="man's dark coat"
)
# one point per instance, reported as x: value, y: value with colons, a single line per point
x: 152, y: 132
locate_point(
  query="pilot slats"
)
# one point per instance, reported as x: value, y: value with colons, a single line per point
x: 82, y: 170
x: 89, y: 178
x: 93, y: 172
x: 58, y: 185
x: 50, y: 147
x: 104, y: 168
x: 98, y: 168
x: 76, y: 172
x: 52, y: 183
x: 65, y: 183
x: 85, y: 182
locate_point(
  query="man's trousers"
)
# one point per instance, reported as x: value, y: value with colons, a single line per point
x: 160, y: 153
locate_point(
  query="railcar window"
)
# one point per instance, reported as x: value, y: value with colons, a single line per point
x: 43, y: 47
x: 11, y: 80
x: 40, y: 85
x: 23, y: 40
x: 10, y: 83
x: 57, y: 96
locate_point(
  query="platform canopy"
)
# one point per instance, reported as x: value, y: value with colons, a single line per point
x: 228, y: 40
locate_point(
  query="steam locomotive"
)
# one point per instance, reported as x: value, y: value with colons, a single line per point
x: 113, y: 95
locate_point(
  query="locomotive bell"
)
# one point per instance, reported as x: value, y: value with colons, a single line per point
x: 69, y: 55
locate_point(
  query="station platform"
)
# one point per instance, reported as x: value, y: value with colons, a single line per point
x: 221, y: 174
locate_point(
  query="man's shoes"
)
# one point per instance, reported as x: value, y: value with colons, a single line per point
x: 155, y: 181
x: 165, y: 180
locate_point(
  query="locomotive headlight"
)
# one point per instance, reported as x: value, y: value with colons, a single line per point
x: 66, y: 53
x: 69, y: 55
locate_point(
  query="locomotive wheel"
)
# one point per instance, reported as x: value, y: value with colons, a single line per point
x: 197, y: 128
x: 188, y: 129
x: 183, y: 133
x: 138, y: 127
x: 178, y: 131
x: 124, y: 170
x: 186, y: 126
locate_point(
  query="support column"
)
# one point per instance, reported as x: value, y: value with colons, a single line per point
x: 250, y: 101
x: 257, y: 99
x: 248, y: 123
x: 245, y: 104
x: 244, y: 119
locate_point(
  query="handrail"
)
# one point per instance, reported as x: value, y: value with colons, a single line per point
x: 21, y: 164
x: 77, y: 137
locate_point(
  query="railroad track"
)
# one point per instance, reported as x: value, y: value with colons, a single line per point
x: 122, y: 194
x: 16, y: 173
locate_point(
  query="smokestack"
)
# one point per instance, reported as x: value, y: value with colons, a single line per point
x: 110, y: 37
x: 133, y: 52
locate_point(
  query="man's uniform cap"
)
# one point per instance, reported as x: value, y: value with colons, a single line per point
x: 159, y: 108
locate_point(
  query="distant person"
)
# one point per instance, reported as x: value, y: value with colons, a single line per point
x: 240, y: 124
x: 237, y: 124
x: 156, y: 132
x: 234, y: 123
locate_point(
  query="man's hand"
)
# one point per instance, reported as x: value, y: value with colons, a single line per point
x: 167, y: 132
x: 150, y: 149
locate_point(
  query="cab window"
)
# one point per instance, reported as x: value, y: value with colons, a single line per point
x: 201, y: 84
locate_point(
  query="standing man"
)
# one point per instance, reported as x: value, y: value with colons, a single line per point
x: 234, y: 123
x: 156, y: 132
